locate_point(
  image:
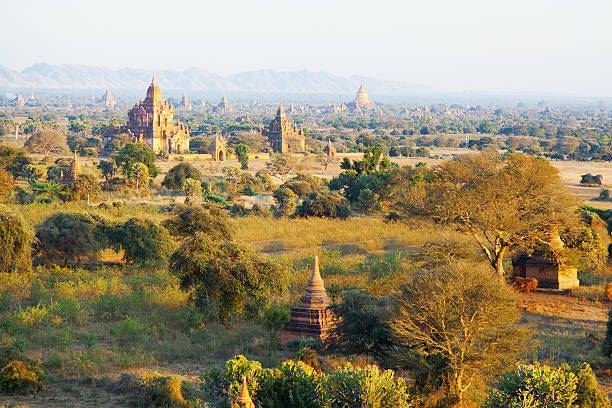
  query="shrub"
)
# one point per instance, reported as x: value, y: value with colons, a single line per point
x: 133, y: 153
x: 591, y: 179
x: 7, y: 184
x: 210, y: 221
x: 129, y: 331
x: 86, y: 187
x: 368, y: 387
x: 67, y: 236
x: 535, y: 385
x: 15, y: 242
x: 589, y: 393
x: 18, y: 375
x: 303, y: 185
x: 286, y: 200
x: 175, y: 179
x: 144, y: 242
x: 324, y: 204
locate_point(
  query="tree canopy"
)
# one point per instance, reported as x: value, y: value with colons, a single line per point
x: 47, y: 141
x: 175, y: 179
x: 136, y: 153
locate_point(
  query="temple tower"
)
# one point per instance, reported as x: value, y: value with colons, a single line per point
x: 218, y: 148
x: 244, y: 400
x: 313, y: 317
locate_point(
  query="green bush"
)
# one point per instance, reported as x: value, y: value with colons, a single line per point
x: 144, y: 242
x: 324, y: 204
x: 303, y: 185
x: 18, y: 376
x: 175, y: 179
x: 535, y: 385
x: 589, y: 393
x: 15, y: 242
x: 129, y: 331
x: 187, y: 220
x: 368, y: 387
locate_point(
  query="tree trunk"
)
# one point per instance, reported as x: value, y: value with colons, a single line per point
x: 499, y: 262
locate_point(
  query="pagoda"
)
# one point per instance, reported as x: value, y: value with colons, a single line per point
x: 312, y: 318
x: 283, y: 135
x: 107, y: 99
x: 244, y: 400
x: 330, y: 149
x: 218, y: 148
x: 74, y: 172
x: 362, y: 100
x: 185, y: 104
x: 223, y: 106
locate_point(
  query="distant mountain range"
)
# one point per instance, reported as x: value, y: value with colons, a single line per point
x: 45, y: 76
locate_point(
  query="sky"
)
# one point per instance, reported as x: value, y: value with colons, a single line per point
x: 561, y: 47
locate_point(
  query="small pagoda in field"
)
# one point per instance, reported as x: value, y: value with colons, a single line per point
x: 312, y: 318
x: 74, y: 172
x: 244, y: 400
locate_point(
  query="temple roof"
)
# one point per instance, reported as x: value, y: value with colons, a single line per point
x: 244, y: 400
x: 153, y: 92
x: 280, y: 113
x: 316, y: 295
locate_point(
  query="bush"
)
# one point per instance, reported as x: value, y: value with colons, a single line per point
x: 177, y: 175
x: 543, y: 386
x: 303, y: 185
x: 591, y: 179
x: 286, y: 200
x: 368, y: 387
x: 15, y: 242
x: 143, y: 241
x: 18, y: 375
x: 324, y: 204
x: 210, y: 221
x: 67, y: 236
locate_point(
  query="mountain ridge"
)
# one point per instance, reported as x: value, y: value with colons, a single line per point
x: 76, y: 76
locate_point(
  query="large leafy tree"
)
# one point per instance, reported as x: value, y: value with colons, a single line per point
x: 242, y: 152
x: 144, y: 242
x: 515, y: 201
x: 189, y: 220
x: 139, y: 172
x: 86, y: 187
x: 461, y: 319
x: 47, y: 141
x: 136, y: 153
x: 14, y: 160
x: 175, y: 179
x: 227, y: 274
x: 108, y: 168
x: 7, y: 184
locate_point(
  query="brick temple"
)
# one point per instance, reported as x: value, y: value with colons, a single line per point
x: 283, y: 135
x: 312, y: 318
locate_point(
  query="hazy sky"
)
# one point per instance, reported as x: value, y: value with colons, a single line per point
x: 549, y: 46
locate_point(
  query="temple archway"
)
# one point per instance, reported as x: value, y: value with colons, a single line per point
x: 221, y: 156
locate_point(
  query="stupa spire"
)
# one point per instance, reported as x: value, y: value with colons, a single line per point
x: 244, y: 400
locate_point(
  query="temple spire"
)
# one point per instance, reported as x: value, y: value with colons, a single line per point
x: 153, y: 82
x: 281, y: 111
x: 244, y: 400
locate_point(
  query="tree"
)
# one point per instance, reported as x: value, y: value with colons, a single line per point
x: 86, y: 186
x: 283, y: 166
x: 67, y: 236
x: 362, y: 326
x: 228, y: 274
x: 175, y: 179
x: 591, y: 179
x: 324, y: 204
x: 14, y: 160
x: 485, y: 127
x: 512, y: 202
x: 139, y: 172
x: 457, y: 314
x: 189, y: 220
x: 46, y: 141
x: 144, y: 242
x: 286, y: 200
x: 136, y: 153
x: 193, y: 191
x: 242, y: 152
x: 108, y: 168
x: 15, y: 242
x: 7, y: 184
x: 35, y: 172
x: 233, y: 175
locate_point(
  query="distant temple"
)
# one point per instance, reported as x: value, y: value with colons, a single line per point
x: 362, y: 100
x: 185, y: 104
x: 223, y: 106
x: 19, y: 100
x: 74, y: 172
x: 107, y: 99
x: 283, y: 135
x: 152, y: 122
x: 312, y: 318
x: 330, y: 150
x: 218, y: 148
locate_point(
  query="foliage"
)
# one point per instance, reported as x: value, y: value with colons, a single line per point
x: 14, y: 160
x: 67, y: 236
x: 139, y: 172
x: 193, y: 191
x: 86, y: 186
x: 368, y: 388
x: 242, y: 152
x: 144, y: 242
x: 175, y: 179
x: 283, y: 166
x: 462, y: 315
x: 591, y: 179
x: 15, y: 242
x: 502, y: 203
x: 324, y: 204
x: 303, y: 185
x: 363, y: 328
x: 108, y: 168
x: 286, y: 200
x: 228, y: 273
x: 136, y: 153
x: 18, y: 375
x: 7, y: 184
x: 46, y: 141
x: 188, y: 220
x: 584, y: 248
x: 535, y: 385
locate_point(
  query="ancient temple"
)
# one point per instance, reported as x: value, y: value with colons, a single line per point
x: 75, y: 171
x: 549, y: 273
x: 362, y: 100
x: 152, y: 122
x: 218, y: 148
x: 107, y: 99
x: 223, y: 106
x: 244, y: 400
x: 312, y: 317
x: 283, y: 135
x: 185, y: 104
x: 19, y: 100
x: 330, y: 150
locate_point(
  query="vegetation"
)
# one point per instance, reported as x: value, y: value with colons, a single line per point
x: 175, y: 179
x: 15, y: 242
